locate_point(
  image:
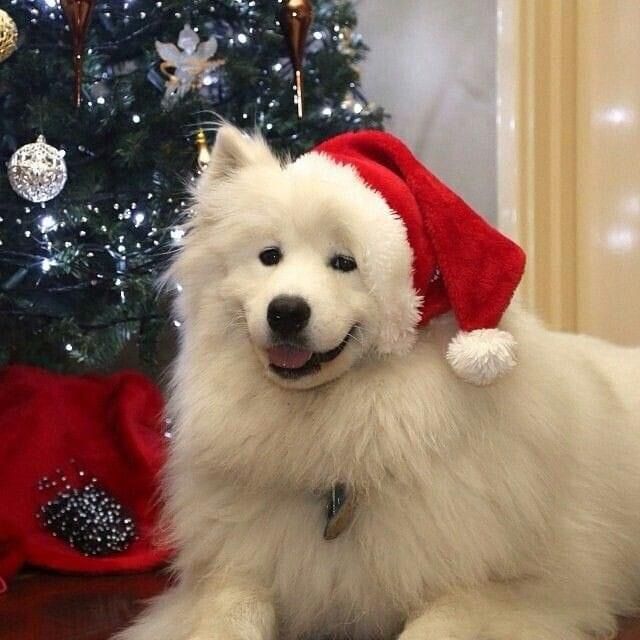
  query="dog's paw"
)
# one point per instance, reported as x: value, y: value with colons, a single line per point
x: 437, y: 629
x: 508, y: 612
x: 485, y: 628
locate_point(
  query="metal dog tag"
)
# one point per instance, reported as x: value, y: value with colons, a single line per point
x: 341, y: 505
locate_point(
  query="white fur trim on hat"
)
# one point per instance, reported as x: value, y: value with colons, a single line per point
x: 482, y: 356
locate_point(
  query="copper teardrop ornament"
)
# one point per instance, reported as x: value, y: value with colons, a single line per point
x: 78, y: 14
x: 296, y: 17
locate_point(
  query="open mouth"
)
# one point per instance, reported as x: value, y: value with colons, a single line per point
x: 291, y: 362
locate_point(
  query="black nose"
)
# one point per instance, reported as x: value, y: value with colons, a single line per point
x: 288, y: 315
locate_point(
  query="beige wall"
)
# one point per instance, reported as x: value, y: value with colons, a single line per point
x: 432, y: 65
x: 608, y: 169
x: 569, y: 161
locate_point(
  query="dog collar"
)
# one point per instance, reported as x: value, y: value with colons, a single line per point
x: 341, y: 506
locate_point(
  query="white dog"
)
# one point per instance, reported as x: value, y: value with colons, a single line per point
x: 499, y: 512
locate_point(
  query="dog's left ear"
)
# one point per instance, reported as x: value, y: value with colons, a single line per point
x: 233, y: 150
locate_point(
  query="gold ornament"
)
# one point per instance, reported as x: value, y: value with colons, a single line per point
x: 296, y: 17
x: 204, y: 156
x: 8, y: 35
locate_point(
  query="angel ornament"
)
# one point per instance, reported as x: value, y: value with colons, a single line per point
x: 187, y: 65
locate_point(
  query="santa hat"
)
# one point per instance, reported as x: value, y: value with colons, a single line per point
x: 460, y: 263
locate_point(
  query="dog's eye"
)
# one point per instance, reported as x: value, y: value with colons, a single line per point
x: 270, y: 256
x: 343, y: 263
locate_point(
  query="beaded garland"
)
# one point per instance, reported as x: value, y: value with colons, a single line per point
x: 87, y: 518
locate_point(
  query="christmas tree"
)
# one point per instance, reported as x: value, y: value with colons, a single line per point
x: 78, y: 271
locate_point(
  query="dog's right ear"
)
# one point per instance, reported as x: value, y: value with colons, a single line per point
x: 233, y: 150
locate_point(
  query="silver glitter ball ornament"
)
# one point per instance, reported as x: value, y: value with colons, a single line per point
x: 37, y: 171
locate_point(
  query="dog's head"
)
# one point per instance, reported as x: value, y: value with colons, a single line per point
x: 301, y: 259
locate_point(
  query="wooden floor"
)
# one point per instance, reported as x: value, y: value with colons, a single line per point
x: 41, y: 606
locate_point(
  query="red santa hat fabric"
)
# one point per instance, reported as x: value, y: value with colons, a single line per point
x: 461, y: 263
x: 66, y: 438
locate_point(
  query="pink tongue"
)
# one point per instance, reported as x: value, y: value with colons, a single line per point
x: 288, y: 357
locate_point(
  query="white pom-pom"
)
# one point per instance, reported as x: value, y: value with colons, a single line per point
x: 482, y: 356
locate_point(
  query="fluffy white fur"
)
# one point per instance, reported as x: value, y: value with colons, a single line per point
x: 506, y: 512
